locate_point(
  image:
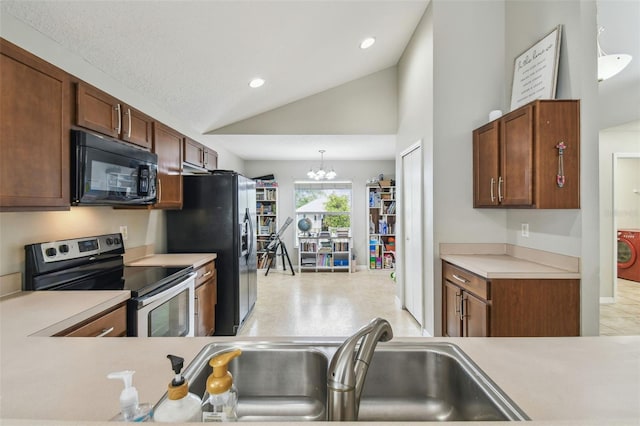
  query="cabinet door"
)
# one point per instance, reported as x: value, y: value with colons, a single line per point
x: 193, y: 153
x: 475, y: 316
x: 109, y: 324
x: 210, y: 159
x: 96, y: 110
x: 137, y: 128
x: 34, y: 132
x: 167, y: 144
x: 451, y: 298
x: 485, y: 165
x: 205, y: 308
x: 516, y: 159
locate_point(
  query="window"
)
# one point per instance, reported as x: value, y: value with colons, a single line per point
x: 322, y: 207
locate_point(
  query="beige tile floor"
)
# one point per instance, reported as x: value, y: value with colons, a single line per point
x: 337, y: 304
x: 325, y: 304
x: 623, y: 317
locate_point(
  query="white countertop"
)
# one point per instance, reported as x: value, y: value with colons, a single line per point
x: 174, y: 259
x: 551, y: 379
x: 505, y: 266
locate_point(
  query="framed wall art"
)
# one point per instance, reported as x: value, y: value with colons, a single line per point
x: 535, y: 71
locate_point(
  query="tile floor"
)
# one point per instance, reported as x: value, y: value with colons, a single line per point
x: 337, y: 304
x: 623, y: 317
x: 325, y: 304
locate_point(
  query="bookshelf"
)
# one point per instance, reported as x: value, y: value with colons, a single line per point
x: 381, y: 217
x: 325, y: 252
x: 266, y: 220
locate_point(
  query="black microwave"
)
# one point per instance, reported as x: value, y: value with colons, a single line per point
x: 108, y: 172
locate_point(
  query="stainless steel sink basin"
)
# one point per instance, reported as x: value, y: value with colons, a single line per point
x: 287, y: 381
x: 276, y: 382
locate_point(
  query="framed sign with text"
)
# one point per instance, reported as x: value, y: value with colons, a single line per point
x: 535, y: 71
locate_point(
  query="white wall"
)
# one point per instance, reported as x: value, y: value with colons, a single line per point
x: 358, y: 172
x: 363, y: 106
x: 450, y: 77
x: 619, y: 141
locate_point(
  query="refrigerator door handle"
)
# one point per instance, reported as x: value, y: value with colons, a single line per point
x: 250, y: 234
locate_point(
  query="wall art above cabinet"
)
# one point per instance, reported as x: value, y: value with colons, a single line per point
x: 101, y: 112
x: 529, y: 158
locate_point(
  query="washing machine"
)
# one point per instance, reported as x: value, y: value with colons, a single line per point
x: 629, y: 254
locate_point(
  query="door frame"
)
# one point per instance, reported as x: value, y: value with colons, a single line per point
x: 614, y: 232
x: 400, y: 273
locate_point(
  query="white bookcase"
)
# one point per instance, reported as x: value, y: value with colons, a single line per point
x: 324, y: 253
x: 381, y: 217
x: 267, y: 220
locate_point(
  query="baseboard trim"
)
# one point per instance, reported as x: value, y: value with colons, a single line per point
x: 607, y: 300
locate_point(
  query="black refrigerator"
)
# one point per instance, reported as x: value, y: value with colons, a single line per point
x: 219, y: 216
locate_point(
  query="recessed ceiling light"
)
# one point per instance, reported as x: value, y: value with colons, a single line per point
x: 256, y: 82
x: 367, y: 42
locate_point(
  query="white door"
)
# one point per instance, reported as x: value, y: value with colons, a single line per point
x: 412, y: 219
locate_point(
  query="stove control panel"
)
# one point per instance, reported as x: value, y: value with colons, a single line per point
x: 76, y: 248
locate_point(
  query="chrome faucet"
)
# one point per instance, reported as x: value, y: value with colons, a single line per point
x: 348, y: 369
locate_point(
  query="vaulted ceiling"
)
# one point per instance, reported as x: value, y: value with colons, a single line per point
x: 195, y: 59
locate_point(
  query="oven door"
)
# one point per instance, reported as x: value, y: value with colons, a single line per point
x: 170, y: 313
x: 107, y: 172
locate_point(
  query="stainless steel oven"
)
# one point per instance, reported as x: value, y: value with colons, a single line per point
x: 168, y: 309
x: 162, y: 299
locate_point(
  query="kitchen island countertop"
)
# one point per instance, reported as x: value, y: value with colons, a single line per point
x: 62, y: 380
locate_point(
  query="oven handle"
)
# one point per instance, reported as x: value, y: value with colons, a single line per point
x: 185, y: 283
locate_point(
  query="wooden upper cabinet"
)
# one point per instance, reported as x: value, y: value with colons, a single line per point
x: 193, y: 153
x: 485, y: 165
x: 210, y: 159
x: 167, y: 144
x: 517, y: 161
x: 137, y: 128
x: 516, y: 158
x: 34, y: 132
x: 199, y: 155
x: 101, y: 112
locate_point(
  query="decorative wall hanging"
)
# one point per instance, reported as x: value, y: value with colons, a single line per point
x: 535, y: 71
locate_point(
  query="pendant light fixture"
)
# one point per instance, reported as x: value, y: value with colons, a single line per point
x: 321, y: 173
x: 610, y: 65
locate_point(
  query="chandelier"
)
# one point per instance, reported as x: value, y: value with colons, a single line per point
x: 321, y: 173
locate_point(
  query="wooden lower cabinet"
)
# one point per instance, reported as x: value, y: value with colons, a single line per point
x: 110, y: 323
x: 475, y: 307
x: 206, y: 299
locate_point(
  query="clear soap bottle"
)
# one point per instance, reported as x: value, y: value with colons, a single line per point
x: 220, y: 401
x: 130, y: 409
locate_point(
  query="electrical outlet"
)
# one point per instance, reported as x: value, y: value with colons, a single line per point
x: 525, y: 229
x: 124, y: 231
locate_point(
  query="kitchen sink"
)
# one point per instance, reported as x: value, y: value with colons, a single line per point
x: 287, y: 381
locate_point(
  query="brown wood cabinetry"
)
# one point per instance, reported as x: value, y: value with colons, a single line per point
x: 110, y: 323
x: 476, y: 307
x: 206, y: 299
x: 516, y: 161
x: 101, y: 112
x: 167, y: 144
x: 199, y: 155
x: 34, y: 132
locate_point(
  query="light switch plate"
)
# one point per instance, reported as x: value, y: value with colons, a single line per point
x: 124, y: 231
x: 525, y: 229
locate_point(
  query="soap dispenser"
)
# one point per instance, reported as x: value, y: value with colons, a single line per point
x: 180, y: 405
x: 130, y: 409
x: 220, y: 400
